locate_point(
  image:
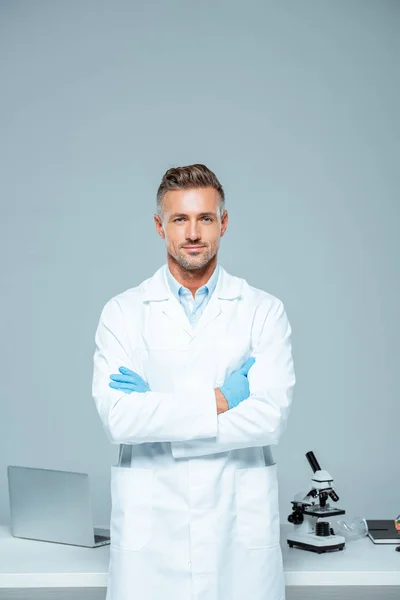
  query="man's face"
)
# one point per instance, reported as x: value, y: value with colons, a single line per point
x: 192, y: 218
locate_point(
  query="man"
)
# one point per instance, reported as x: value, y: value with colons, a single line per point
x: 193, y: 378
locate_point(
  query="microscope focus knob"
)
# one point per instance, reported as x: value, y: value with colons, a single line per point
x: 296, y: 518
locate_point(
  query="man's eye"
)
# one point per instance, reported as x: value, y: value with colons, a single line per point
x: 181, y: 218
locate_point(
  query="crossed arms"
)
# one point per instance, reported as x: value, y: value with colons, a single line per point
x: 188, y: 419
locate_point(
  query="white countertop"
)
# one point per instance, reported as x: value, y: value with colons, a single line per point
x: 30, y: 564
x: 361, y: 562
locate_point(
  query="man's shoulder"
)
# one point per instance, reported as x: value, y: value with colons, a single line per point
x: 128, y: 298
x: 258, y: 296
x: 130, y: 295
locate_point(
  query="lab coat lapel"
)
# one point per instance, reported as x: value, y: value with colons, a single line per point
x: 157, y: 289
x: 228, y: 288
x: 211, y: 312
x: 173, y: 310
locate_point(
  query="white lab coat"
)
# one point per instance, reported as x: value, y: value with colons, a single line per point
x: 196, y: 515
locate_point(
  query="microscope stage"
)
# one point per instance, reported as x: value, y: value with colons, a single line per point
x: 317, y: 511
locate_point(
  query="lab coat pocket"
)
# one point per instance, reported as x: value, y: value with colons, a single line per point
x: 257, y: 506
x: 131, y: 511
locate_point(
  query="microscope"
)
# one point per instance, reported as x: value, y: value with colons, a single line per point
x: 308, y: 533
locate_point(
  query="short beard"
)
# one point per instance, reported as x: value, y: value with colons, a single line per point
x: 185, y: 263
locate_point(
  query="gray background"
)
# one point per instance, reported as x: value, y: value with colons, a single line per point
x: 295, y: 106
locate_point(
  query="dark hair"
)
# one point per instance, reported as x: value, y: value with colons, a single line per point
x: 188, y: 178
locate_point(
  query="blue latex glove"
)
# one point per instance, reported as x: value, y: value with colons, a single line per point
x: 128, y: 381
x: 236, y: 387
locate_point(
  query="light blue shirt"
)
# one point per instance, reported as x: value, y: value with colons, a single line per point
x: 193, y: 306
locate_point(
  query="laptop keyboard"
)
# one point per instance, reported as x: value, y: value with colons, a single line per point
x: 100, y: 538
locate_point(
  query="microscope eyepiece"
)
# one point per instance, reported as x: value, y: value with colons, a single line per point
x: 314, y: 464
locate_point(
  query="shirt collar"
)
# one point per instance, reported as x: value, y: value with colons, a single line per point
x: 156, y: 288
x: 177, y: 288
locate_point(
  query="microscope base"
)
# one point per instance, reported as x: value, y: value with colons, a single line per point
x: 326, y: 544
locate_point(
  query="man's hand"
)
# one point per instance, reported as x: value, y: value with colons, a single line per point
x: 221, y: 401
x: 236, y: 387
x: 128, y: 381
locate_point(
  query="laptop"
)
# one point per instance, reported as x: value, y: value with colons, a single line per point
x: 383, y: 532
x: 53, y: 506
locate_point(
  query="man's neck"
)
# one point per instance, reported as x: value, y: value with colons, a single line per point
x: 192, y: 280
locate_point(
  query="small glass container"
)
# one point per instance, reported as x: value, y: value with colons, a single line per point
x: 353, y: 529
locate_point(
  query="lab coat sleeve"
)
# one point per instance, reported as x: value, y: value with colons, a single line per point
x: 137, y: 418
x: 261, y: 418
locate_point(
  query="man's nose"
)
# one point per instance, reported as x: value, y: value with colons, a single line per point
x: 193, y: 232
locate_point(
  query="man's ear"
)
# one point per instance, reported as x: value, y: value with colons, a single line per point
x: 159, y: 226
